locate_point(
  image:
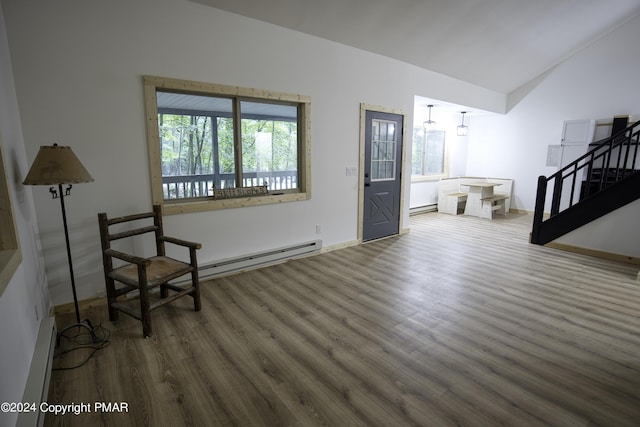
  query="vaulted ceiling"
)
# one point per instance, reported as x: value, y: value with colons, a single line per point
x: 496, y: 44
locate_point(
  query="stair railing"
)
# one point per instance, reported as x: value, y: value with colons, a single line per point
x: 611, y: 160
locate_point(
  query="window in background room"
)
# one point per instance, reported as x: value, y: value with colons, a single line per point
x: 206, y: 137
x: 429, y: 154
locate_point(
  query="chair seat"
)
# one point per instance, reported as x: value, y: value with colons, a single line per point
x: 160, y: 270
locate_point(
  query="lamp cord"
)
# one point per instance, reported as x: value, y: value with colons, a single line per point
x: 95, y: 339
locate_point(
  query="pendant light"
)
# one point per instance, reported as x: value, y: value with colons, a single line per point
x: 462, y: 129
x: 429, y: 125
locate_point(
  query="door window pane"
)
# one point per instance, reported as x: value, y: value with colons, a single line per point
x: 383, y: 150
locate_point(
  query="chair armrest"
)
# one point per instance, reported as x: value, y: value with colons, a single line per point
x: 180, y: 242
x: 126, y: 257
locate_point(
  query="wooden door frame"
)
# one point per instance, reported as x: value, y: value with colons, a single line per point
x: 361, y: 164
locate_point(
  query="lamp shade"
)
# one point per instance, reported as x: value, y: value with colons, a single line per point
x: 55, y: 164
x: 429, y: 125
x: 462, y: 129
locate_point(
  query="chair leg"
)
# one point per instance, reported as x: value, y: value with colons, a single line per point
x: 145, y: 314
x: 196, y: 291
x: 146, y: 325
x: 111, y: 298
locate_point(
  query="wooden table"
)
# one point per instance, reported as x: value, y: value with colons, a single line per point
x: 479, y: 192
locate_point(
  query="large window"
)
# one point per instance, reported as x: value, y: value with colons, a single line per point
x: 204, y: 138
x: 429, y: 154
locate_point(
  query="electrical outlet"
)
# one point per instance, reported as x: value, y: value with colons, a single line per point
x: 351, y: 171
x: 318, y: 229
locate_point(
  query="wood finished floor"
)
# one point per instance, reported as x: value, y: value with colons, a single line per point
x: 461, y: 322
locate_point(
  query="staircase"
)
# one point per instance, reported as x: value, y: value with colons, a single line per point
x: 601, y: 181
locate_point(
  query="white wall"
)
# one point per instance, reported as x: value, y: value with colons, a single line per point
x: 78, y: 68
x: 606, y: 234
x: 25, y: 301
x: 597, y: 83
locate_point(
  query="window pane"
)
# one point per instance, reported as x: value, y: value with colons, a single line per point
x: 383, y: 150
x: 428, y: 153
x: 196, y: 139
x: 375, y: 171
x: 435, y: 152
x: 186, y: 155
x: 390, y: 169
x: 226, y: 153
x: 391, y: 131
x: 391, y: 150
x: 269, y: 145
x: 417, y: 152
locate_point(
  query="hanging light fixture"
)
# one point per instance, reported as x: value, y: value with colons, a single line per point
x: 462, y: 129
x: 429, y: 125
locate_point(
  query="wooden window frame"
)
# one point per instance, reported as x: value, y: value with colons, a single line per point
x: 152, y: 84
x: 10, y: 254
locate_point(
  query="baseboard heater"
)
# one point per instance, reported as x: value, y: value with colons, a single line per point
x: 423, y: 209
x: 37, y: 387
x: 247, y: 262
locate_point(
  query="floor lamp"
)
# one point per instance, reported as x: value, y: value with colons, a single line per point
x: 57, y: 165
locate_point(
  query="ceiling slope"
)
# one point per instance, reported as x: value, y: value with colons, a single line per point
x: 496, y: 44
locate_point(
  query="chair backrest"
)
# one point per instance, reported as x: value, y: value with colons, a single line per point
x: 106, y: 236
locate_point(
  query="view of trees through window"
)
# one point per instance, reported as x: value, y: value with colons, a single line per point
x: 428, y: 157
x: 198, y: 147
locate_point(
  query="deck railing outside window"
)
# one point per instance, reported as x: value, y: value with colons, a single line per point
x: 193, y: 186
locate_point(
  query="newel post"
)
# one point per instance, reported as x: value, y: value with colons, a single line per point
x: 541, y: 194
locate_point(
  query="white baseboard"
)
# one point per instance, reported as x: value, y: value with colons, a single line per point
x: 37, y: 388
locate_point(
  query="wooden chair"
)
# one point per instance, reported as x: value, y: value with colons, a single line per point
x: 143, y: 274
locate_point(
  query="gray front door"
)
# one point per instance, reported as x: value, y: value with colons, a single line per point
x: 382, y: 172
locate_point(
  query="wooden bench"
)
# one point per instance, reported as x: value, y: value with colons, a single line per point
x: 450, y: 199
x: 454, y: 203
x: 505, y: 189
x: 494, y: 204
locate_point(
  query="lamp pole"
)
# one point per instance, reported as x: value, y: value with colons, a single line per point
x: 66, y: 236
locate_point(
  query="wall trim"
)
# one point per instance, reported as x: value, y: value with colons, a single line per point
x: 595, y: 253
x: 37, y: 387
